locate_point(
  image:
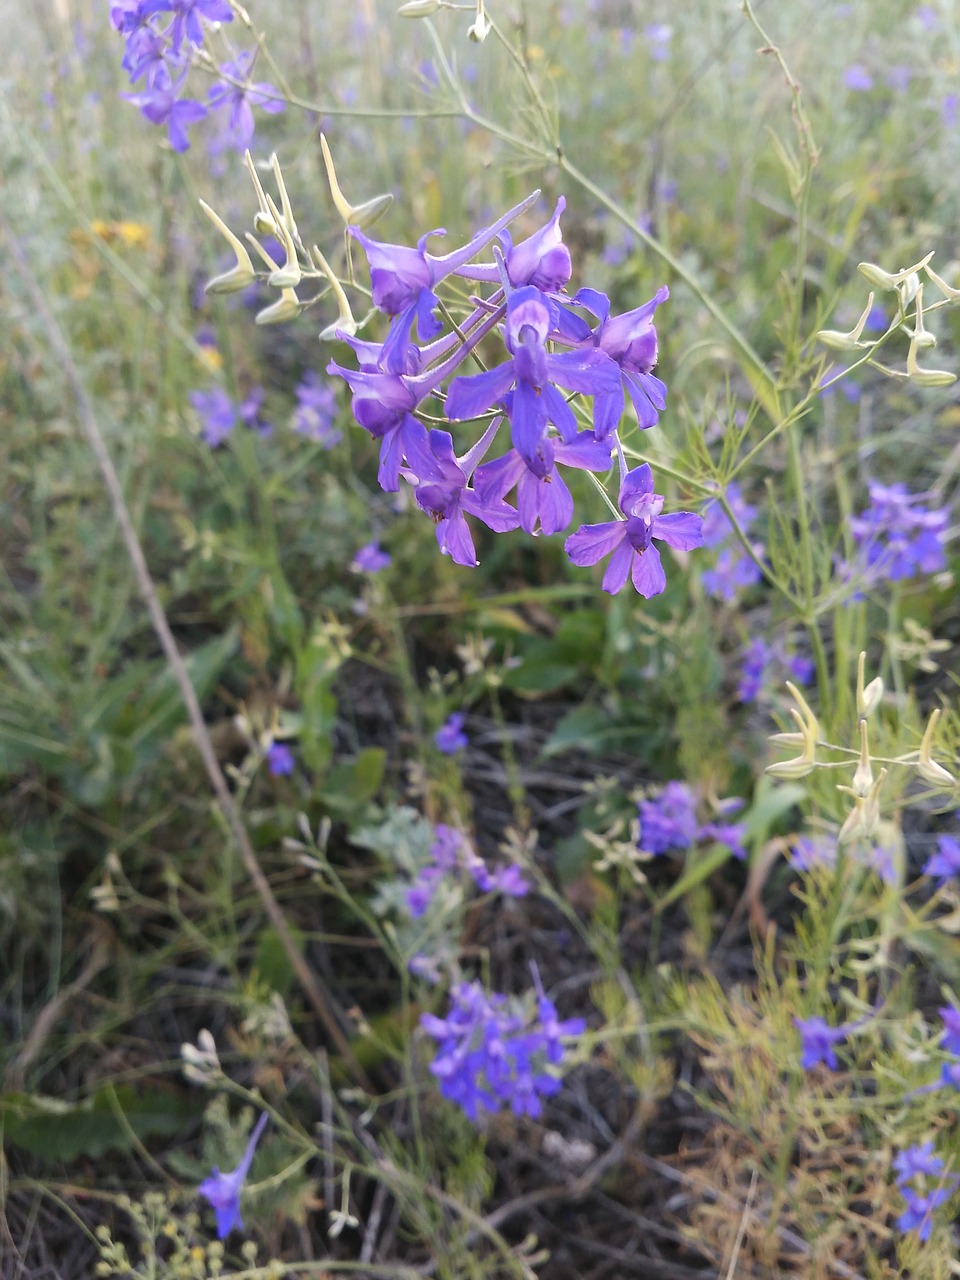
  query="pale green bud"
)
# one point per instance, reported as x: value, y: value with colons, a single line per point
x: 949, y: 293
x: 868, y: 698
x: 927, y: 767
x: 371, y: 211
x: 908, y: 288
x: 883, y: 279
x: 356, y: 215
x: 481, y: 27
x: 848, y: 341
x: 238, y: 277
x: 287, y: 307
x: 345, y: 323
x: 419, y: 8
x: 926, y: 377
x: 263, y: 222
x: 863, y: 775
x: 288, y: 220
x: 288, y: 276
x: 264, y: 225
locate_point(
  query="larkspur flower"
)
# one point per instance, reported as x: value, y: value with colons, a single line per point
x: 858, y: 78
x: 239, y: 99
x: 450, y: 737
x: 447, y: 497
x: 734, y: 570
x: 951, y: 1029
x: 223, y: 1190
x: 917, y: 1160
x: 670, y: 820
x: 160, y: 104
x: 898, y: 536
x: 543, y: 499
x: 630, y: 340
x: 187, y: 16
x: 809, y: 852
x: 542, y: 260
x: 918, y: 1215
x: 371, y: 558
x: 217, y: 413
x: 946, y: 861
x: 489, y: 1056
x: 316, y: 410
x: 631, y: 540
x: 523, y: 385
x: 817, y: 1039
x: 280, y: 760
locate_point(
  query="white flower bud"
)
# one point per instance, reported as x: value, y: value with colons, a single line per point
x: 419, y: 8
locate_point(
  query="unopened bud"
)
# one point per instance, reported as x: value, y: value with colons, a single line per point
x: 481, y: 27
x: 419, y: 8
x: 948, y: 292
x: 287, y: 307
x: 288, y: 219
x: 921, y: 335
x: 908, y: 288
x: 848, y: 341
x: 239, y: 276
x: 345, y: 323
x: 371, y: 211
x: 868, y: 697
x: 927, y: 767
x: 863, y: 776
x: 926, y: 377
x: 288, y: 276
x: 804, y: 763
x: 884, y: 280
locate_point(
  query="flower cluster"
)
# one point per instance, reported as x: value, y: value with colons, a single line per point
x: 219, y: 414
x: 160, y: 40
x: 764, y: 662
x: 898, y: 536
x: 670, y: 822
x: 560, y: 351
x: 451, y: 856
x: 491, y: 1053
x: 914, y: 1167
x: 734, y: 570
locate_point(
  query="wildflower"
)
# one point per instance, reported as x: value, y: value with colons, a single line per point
x: 898, y: 536
x: 630, y: 540
x: 542, y: 260
x: 523, y: 384
x: 217, y: 412
x: 858, y: 78
x: 669, y: 821
x: 160, y: 105
x: 817, y: 1039
x: 371, y: 558
x: 280, y: 760
x: 222, y: 1190
x: 450, y: 737
x: 946, y: 861
x: 448, y: 497
x: 316, y: 409
x: 187, y: 14
x: 489, y: 1055
x: 809, y: 853
x: 240, y: 98
x: 734, y: 570
x: 951, y: 1029
x: 918, y: 1215
x: 917, y: 1160
x: 543, y: 498
x: 630, y: 340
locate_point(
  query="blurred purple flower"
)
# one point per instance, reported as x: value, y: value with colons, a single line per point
x: 858, y: 78
x: 670, y: 820
x: 951, y: 1029
x: 817, y: 1039
x: 160, y: 105
x: 217, y: 413
x: 918, y: 1215
x: 371, y: 558
x: 316, y: 410
x: 809, y: 853
x: 946, y: 861
x: 240, y: 100
x: 222, y: 1190
x: 280, y: 760
x: 186, y: 17
x: 450, y: 737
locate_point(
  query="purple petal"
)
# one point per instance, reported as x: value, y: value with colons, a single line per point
x: 648, y: 575
x: 618, y: 569
x: 682, y: 530
x: 470, y: 396
x: 592, y: 542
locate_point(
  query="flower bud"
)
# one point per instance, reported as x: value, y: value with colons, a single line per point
x: 848, y: 341
x: 481, y: 27
x: 287, y: 307
x: 921, y: 334
x: 361, y: 215
x: 927, y: 767
x: 239, y: 276
x: 345, y: 323
x: 868, y: 698
x: 287, y: 276
x: 419, y: 8
x: 863, y: 775
x: 949, y: 293
x: 884, y: 280
x: 908, y: 288
x: 926, y: 377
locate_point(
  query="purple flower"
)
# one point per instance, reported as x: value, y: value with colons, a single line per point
x: 217, y: 412
x: 542, y: 498
x: 817, y: 1039
x: 316, y: 410
x: 240, y: 99
x: 542, y: 260
x: 898, y: 536
x: 533, y: 401
x: 951, y: 1029
x: 669, y: 821
x: 280, y: 760
x: 731, y: 834
x: 222, y: 1190
x: 946, y: 861
x: 734, y: 570
x: 630, y: 340
x: 371, y: 558
x: 488, y: 1056
x: 913, y: 1161
x: 187, y: 14
x: 630, y: 540
x: 809, y: 853
x: 160, y: 104
x: 450, y: 737
x: 403, y: 279
x: 446, y: 497
x: 918, y: 1215
x: 858, y: 78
